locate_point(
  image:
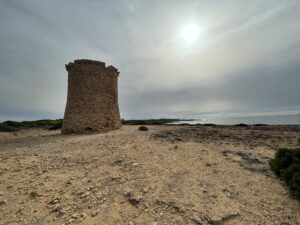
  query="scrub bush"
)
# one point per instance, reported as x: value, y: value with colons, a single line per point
x: 286, y: 165
x: 143, y: 128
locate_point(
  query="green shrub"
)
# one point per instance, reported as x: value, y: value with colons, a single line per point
x: 5, y: 128
x: 149, y: 121
x: 56, y: 126
x: 33, y: 124
x: 12, y: 123
x: 286, y: 166
x: 209, y: 125
x: 241, y: 125
x: 143, y: 128
x: 260, y: 125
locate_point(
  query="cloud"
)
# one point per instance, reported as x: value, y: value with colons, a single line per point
x: 245, y: 59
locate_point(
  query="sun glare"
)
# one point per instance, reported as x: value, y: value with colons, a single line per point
x: 190, y: 32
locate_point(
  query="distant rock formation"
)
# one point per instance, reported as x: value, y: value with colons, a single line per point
x: 92, y: 102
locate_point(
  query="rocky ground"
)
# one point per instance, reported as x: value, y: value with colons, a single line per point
x: 165, y: 176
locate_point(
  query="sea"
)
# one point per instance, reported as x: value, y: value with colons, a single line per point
x: 250, y: 120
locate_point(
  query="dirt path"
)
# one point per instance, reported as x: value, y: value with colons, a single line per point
x: 167, y: 175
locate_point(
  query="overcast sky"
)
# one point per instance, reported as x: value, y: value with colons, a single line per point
x: 246, y: 57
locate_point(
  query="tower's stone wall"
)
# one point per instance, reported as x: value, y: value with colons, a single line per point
x: 92, y: 102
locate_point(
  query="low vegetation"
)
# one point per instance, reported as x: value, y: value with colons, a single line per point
x: 10, y: 126
x: 143, y: 128
x: 286, y: 165
x: 209, y: 125
x: 5, y: 128
x: 260, y: 125
x: 56, y: 126
x: 241, y: 125
x: 149, y: 122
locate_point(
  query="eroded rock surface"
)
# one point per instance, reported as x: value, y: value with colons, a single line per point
x: 149, y: 178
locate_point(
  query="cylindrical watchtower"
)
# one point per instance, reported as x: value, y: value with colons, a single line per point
x: 92, y: 102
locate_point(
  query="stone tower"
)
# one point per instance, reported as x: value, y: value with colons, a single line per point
x: 92, y: 102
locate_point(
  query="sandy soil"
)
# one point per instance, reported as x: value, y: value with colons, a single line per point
x: 168, y: 175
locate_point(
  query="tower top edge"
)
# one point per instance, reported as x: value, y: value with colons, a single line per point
x: 83, y: 62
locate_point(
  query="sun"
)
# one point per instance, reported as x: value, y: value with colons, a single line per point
x: 190, y: 32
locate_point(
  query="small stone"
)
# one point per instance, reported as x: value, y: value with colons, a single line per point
x: 131, y: 223
x: 196, y: 219
x: 85, y: 194
x: 69, y: 182
x: 91, y: 188
x: 54, y: 200
x: 95, y: 213
x: 224, y: 218
x: 34, y: 194
x: 115, y: 177
x: 58, y: 209
x: 134, y: 200
x: 3, y: 202
x: 118, y: 161
x: 75, y: 215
